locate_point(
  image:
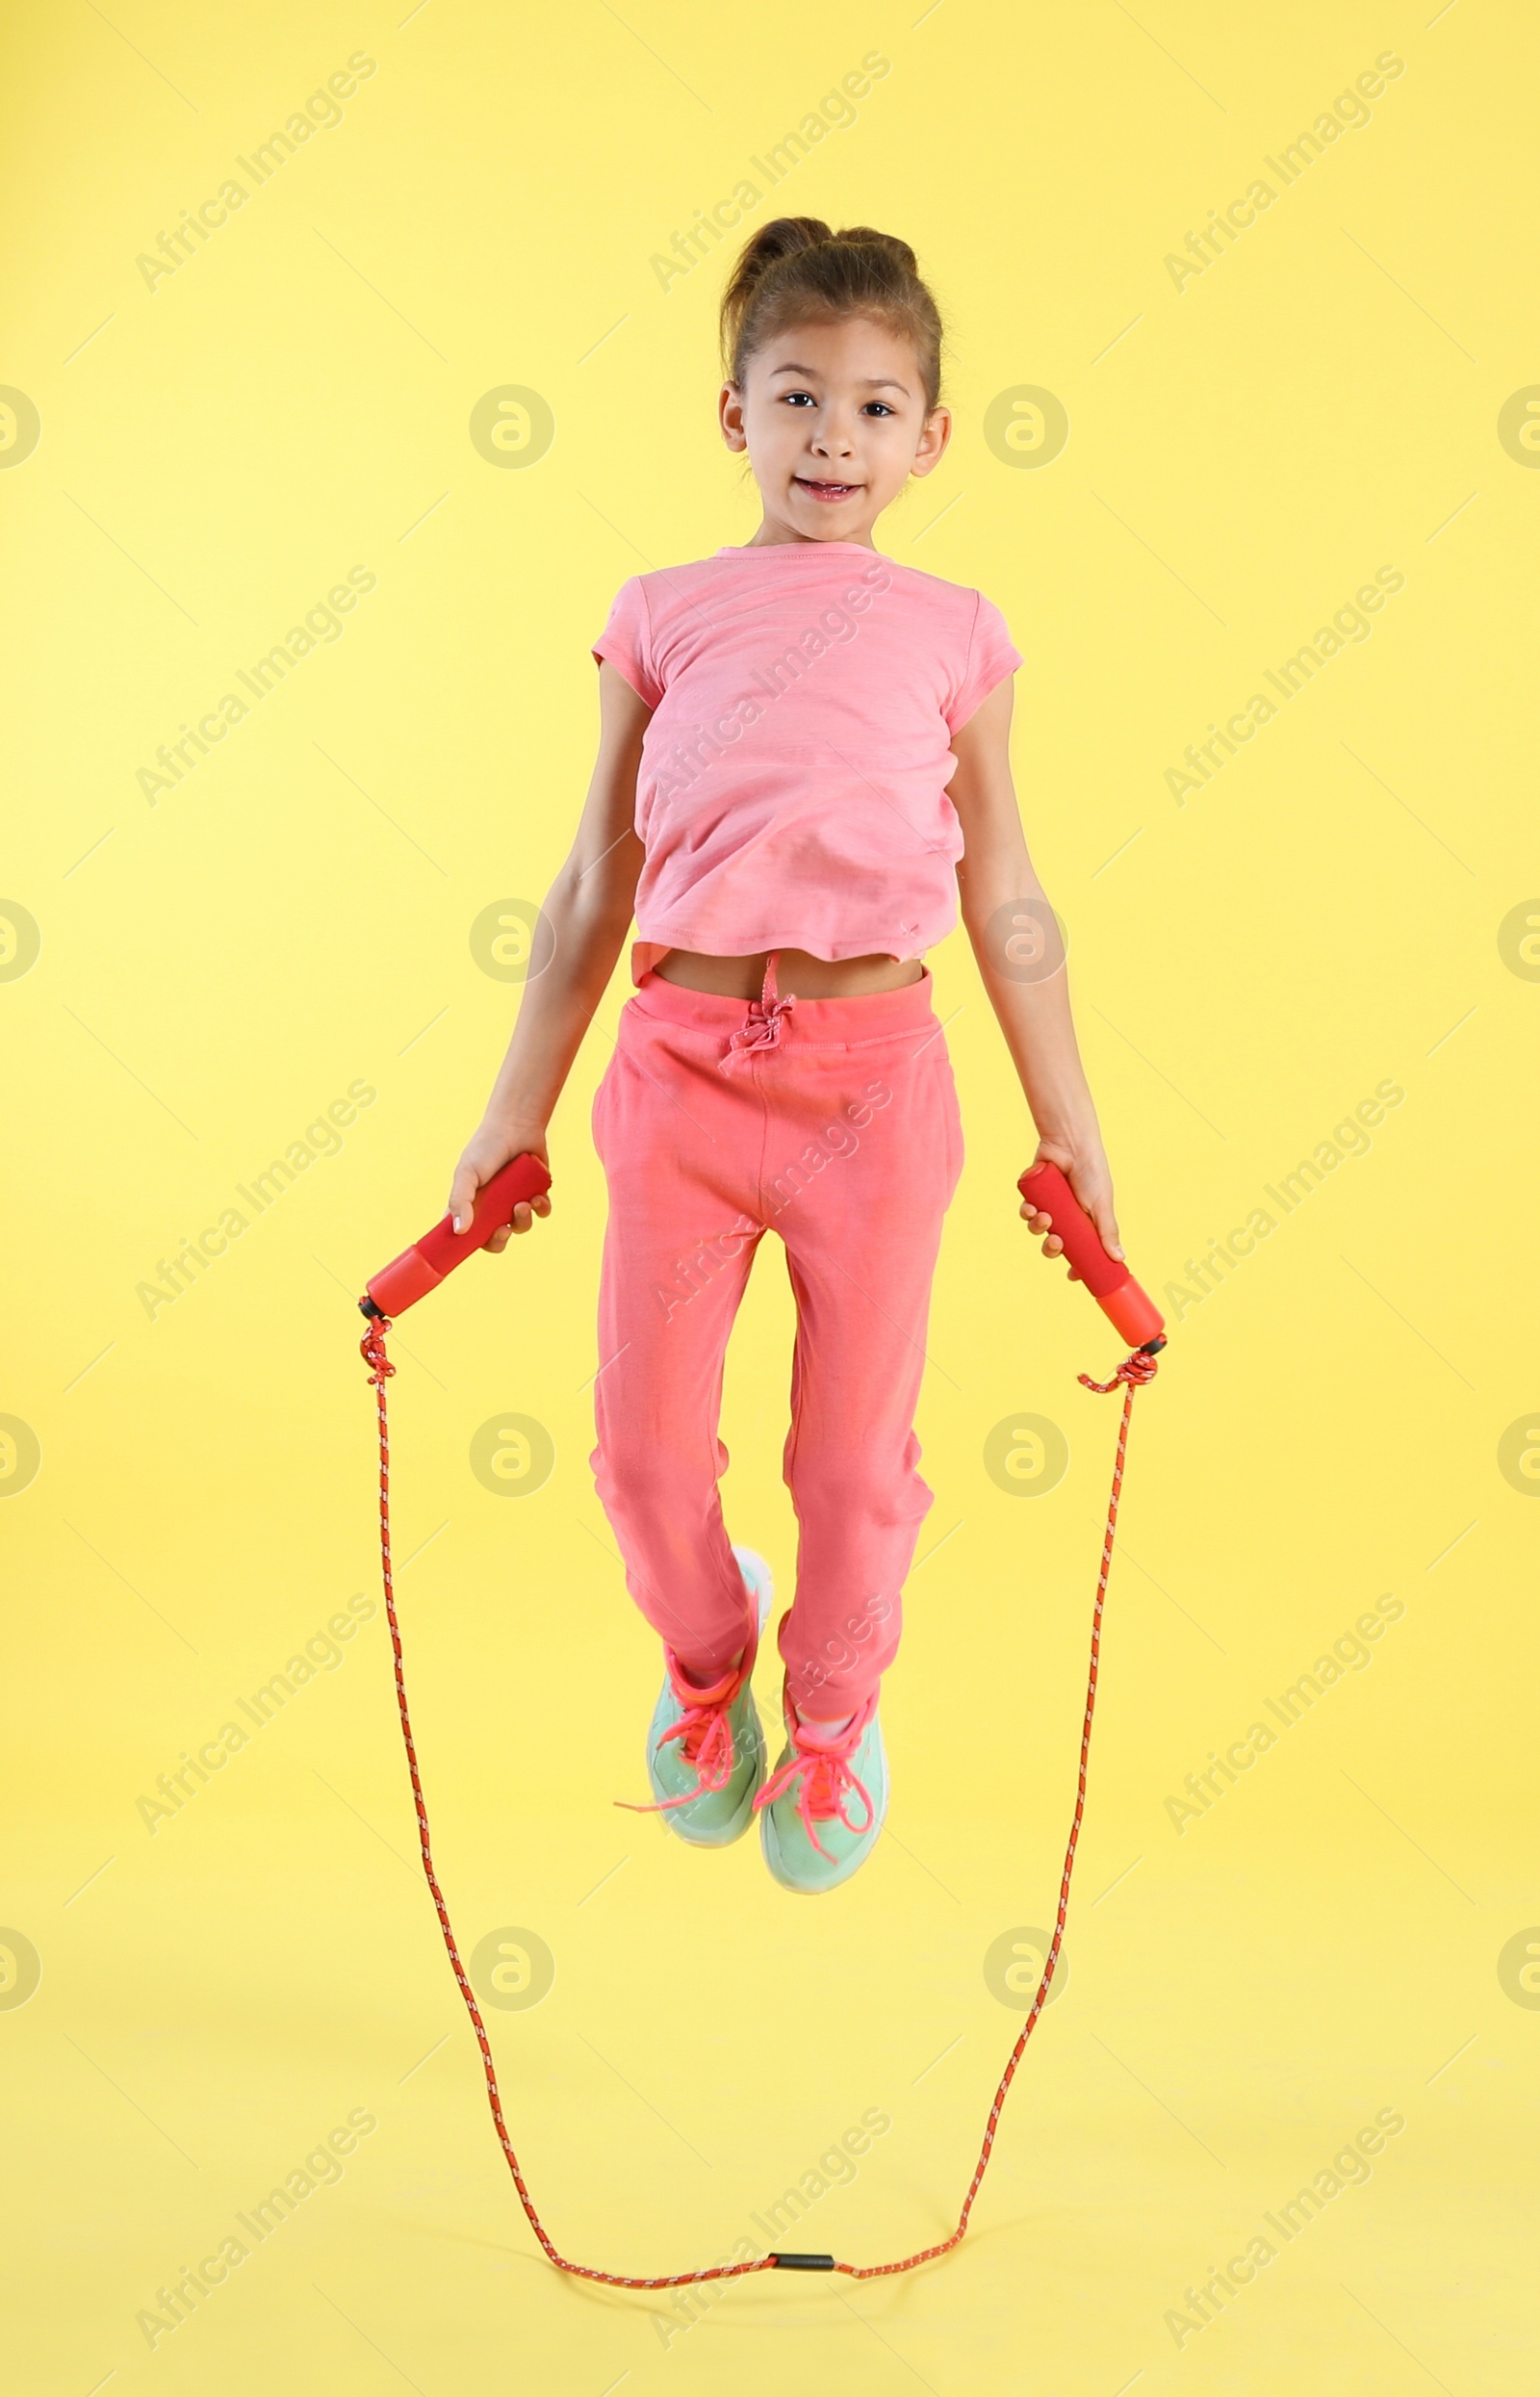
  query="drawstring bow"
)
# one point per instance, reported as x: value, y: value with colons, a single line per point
x: 761, y: 1028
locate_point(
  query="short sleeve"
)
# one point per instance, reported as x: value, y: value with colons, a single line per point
x: 627, y: 641
x: 992, y: 655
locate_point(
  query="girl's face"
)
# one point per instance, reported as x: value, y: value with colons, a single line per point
x: 833, y: 420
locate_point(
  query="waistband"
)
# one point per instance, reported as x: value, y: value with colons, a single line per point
x: 871, y: 1015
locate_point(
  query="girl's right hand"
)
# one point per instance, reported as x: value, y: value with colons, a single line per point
x: 489, y: 1148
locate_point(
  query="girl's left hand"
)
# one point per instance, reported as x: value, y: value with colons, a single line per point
x: 1086, y: 1169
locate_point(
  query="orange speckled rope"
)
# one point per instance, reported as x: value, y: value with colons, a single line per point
x: 1132, y: 1372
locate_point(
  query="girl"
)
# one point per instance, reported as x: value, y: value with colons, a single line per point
x: 803, y: 759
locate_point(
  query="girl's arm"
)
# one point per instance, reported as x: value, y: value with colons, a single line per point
x: 1011, y: 925
x: 588, y: 908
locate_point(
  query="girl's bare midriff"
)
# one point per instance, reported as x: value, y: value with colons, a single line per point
x: 797, y: 973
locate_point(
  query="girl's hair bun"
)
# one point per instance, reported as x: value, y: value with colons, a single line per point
x: 899, y: 251
x: 794, y: 269
x: 782, y: 238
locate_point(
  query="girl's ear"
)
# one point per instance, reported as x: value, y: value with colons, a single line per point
x: 932, y: 441
x: 730, y: 415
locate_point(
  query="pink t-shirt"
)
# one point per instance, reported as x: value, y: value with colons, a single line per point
x: 792, y: 786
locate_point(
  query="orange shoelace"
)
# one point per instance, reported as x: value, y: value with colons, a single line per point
x: 826, y: 1774
x: 703, y: 1730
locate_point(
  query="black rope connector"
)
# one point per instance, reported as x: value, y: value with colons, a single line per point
x: 802, y: 2263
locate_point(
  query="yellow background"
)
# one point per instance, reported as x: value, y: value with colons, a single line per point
x: 1325, y: 915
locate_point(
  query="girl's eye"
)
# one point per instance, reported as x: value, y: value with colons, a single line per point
x: 793, y: 396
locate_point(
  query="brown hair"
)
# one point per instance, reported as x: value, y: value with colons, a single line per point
x: 794, y: 270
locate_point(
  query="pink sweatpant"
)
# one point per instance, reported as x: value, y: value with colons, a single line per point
x: 834, y: 1122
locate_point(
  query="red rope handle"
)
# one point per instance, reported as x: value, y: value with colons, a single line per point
x: 1131, y: 1374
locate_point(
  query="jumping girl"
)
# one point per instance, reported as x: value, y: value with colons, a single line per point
x: 803, y: 763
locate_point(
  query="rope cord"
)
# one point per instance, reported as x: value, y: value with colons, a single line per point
x: 1131, y: 1374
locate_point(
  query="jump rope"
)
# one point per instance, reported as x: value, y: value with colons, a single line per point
x: 421, y: 1268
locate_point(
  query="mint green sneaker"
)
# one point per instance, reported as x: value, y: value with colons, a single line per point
x: 809, y: 1841
x: 704, y: 1747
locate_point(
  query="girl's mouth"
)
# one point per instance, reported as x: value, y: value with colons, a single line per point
x: 825, y: 490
